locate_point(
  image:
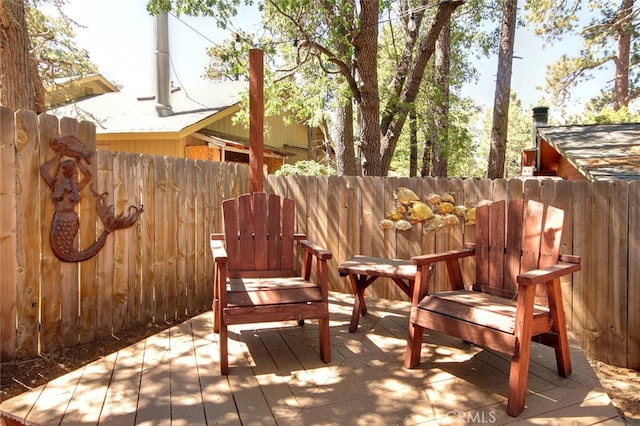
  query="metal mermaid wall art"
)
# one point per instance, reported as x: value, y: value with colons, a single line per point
x: 65, y: 192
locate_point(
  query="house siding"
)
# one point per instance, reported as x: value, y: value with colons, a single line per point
x: 168, y: 147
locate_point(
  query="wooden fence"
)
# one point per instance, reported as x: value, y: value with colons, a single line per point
x: 602, y: 225
x: 161, y: 268
x: 158, y: 269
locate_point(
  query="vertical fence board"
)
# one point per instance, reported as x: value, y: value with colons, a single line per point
x: 335, y: 214
x: 87, y: 326
x: 582, y: 316
x: 51, y: 280
x: 633, y: 286
x: 161, y: 235
x: 171, y: 235
x: 456, y: 188
x: 599, y: 304
x: 8, y: 235
x: 69, y: 298
x: 201, y: 252
x: 564, y: 201
x: 382, y: 286
x: 618, y: 216
x: 209, y: 224
x: 181, y: 237
x: 147, y: 238
x: 190, y: 234
x: 134, y: 298
x: 105, y: 258
x: 429, y: 236
x: 28, y: 233
x: 121, y: 242
x: 377, y: 208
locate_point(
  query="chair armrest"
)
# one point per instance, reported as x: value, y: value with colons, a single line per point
x: 314, y: 249
x: 424, y: 259
x: 549, y: 273
x: 218, y: 251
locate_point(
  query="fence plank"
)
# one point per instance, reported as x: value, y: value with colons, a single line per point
x: 161, y: 236
x: 334, y: 214
x: 170, y: 231
x: 187, y: 199
x: 28, y: 233
x: 618, y: 262
x: 87, y: 326
x: 203, y: 253
x: 633, y: 286
x: 105, y: 258
x: 208, y: 224
x: 52, y: 278
x: 8, y: 235
x: 564, y: 201
x: 582, y: 315
x: 121, y: 243
x: 599, y: 228
x: 147, y: 238
x: 70, y: 291
x: 377, y: 208
x: 134, y: 274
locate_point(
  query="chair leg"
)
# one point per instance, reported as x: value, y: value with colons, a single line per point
x: 325, y: 341
x: 556, y: 308
x: 414, y: 346
x: 563, y: 354
x: 518, y: 376
x: 224, y: 350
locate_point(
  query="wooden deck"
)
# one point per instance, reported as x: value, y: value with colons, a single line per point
x: 277, y: 377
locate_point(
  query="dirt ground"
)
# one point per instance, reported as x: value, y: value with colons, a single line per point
x: 622, y: 384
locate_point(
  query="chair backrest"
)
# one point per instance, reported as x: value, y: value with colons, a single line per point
x: 515, y: 240
x: 259, y: 235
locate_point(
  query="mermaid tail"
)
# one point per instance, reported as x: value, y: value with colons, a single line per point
x: 66, y: 225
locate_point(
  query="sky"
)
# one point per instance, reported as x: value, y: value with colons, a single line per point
x: 120, y: 38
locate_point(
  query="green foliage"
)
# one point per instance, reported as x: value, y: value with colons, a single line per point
x: 221, y: 10
x: 609, y: 116
x: 609, y: 33
x: 52, y: 40
x: 305, y: 168
x: 519, y: 137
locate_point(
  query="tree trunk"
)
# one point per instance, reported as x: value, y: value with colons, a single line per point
x: 346, y: 163
x: 624, y: 29
x: 395, y: 113
x: 366, y: 59
x: 413, y: 144
x: 426, y: 159
x: 498, y: 148
x: 19, y: 81
x: 441, y: 110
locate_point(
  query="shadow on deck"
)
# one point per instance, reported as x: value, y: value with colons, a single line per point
x: 277, y: 377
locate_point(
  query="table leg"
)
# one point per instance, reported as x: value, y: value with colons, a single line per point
x: 359, y: 284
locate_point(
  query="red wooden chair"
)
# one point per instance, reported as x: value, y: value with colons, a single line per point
x: 255, y: 280
x: 505, y: 308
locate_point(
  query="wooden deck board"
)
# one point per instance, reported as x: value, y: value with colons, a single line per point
x: 172, y: 378
x: 122, y: 394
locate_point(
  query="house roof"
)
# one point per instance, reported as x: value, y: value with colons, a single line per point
x: 598, y: 151
x: 125, y: 113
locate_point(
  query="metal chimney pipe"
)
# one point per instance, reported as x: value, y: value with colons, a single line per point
x: 540, y: 118
x: 163, y: 104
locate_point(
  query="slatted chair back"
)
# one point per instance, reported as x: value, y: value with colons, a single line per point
x: 259, y: 235
x: 524, y: 240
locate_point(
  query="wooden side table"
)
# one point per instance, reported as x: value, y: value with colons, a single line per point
x: 364, y: 270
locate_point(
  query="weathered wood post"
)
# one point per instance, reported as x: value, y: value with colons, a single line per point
x: 256, y: 120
